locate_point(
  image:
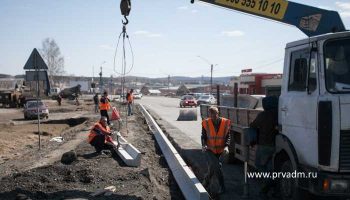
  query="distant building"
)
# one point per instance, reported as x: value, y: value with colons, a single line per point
x: 8, y: 82
x: 154, y: 92
x: 259, y: 83
x: 169, y: 90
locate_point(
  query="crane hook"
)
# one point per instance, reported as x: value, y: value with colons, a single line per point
x: 125, y: 7
x: 126, y: 21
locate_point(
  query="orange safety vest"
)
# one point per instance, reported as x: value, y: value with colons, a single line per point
x: 130, y: 97
x: 216, y: 140
x: 98, y: 129
x: 105, y: 105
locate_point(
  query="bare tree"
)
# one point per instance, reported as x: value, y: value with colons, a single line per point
x: 53, y: 58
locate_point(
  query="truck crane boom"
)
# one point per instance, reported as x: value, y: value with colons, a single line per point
x: 310, y: 20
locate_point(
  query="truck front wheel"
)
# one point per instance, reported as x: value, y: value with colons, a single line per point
x: 288, y: 187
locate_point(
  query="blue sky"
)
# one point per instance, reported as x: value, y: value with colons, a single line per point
x: 167, y: 36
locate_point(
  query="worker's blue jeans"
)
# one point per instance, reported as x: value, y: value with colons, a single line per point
x: 129, y: 109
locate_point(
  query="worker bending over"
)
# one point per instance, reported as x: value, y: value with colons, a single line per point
x: 215, y: 140
x: 100, y: 136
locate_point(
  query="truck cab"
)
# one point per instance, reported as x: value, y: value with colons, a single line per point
x: 314, y: 112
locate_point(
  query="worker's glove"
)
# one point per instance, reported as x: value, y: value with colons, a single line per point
x: 226, y: 151
x: 204, y: 148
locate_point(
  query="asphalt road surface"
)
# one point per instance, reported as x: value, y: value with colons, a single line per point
x: 168, y: 109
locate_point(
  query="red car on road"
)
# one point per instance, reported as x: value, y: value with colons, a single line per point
x: 188, y: 100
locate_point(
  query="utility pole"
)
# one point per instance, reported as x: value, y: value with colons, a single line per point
x: 211, y: 71
x: 37, y: 96
x: 168, y: 84
x: 211, y: 78
x: 202, y: 84
x: 93, y: 73
x: 101, y: 83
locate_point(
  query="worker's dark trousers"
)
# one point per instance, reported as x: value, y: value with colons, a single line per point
x: 99, y: 143
x: 105, y: 114
x: 130, y: 109
x: 220, y: 175
x: 214, y: 168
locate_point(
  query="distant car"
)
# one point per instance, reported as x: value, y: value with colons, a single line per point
x: 206, y: 99
x: 196, y: 95
x: 137, y: 95
x: 188, y: 100
x: 31, y: 110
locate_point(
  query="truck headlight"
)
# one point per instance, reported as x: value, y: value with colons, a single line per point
x: 339, y: 185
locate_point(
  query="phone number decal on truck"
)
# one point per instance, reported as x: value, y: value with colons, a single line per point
x: 270, y: 8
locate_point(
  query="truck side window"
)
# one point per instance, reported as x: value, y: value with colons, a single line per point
x: 298, y: 71
x: 312, y: 73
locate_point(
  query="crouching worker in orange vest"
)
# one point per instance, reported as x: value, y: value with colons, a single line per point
x: 215, y: 140
x: 100, y: 136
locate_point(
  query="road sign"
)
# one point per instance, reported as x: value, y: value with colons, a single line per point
x: 35, y: 61
x: 32, y: 76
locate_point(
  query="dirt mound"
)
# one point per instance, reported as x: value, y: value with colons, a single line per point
x: 91, y: 171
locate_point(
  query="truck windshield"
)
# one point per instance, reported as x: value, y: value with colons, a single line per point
x: 337, y: 61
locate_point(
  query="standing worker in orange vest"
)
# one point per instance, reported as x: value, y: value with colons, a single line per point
x: 215, y: 140
x: 130, y: 101
x: 105, y: 106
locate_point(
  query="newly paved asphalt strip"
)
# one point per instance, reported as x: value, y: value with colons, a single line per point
x: 187, y: 181
x: 168, y: 109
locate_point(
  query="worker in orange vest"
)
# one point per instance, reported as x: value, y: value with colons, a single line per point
x: 130, y: 101
x: 105, y: 106
x: 100, y: 136
x: 215, y: 141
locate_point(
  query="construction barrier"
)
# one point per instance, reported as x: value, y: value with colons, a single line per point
x: 187, y: 115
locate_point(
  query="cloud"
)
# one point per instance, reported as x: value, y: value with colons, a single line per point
x: 325, y: 7
x: 204, y: 4
x: 344, y: 8
x: 345, y: 14
x: 141, y: 32
x: 182, y: 8
x: 147, y: 33
x: 106, y: 47
x: 154, y: 35
x: 343, y: 5
x: 235, y: 33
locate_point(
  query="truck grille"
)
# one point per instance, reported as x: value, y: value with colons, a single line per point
x: 344, y: 152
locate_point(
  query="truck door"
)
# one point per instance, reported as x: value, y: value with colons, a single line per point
x: 297, y: 106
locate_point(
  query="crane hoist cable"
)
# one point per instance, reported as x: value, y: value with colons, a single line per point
x: 125, y: 8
